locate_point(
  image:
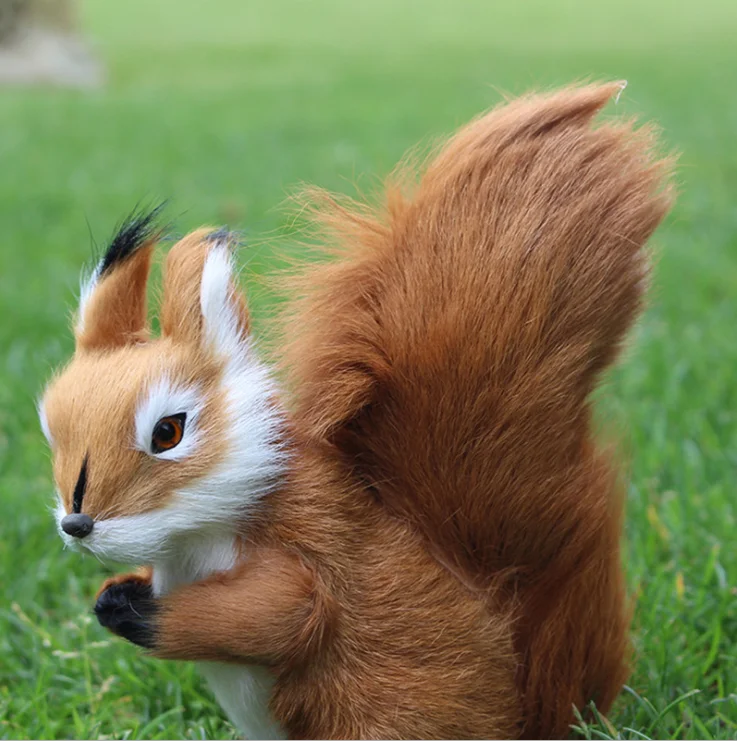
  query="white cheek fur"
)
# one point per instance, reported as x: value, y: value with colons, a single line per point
x: 255, y: 459
x: 135, y: 540
x: 162, y: 399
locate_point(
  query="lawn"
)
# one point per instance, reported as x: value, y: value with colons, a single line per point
x: 223, y: 108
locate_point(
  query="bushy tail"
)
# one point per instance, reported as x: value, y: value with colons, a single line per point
x: 447, y: 354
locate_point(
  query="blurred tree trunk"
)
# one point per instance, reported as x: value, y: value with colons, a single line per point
x: 40, y: 42
x: 58, y: 14
x: 13, y: 15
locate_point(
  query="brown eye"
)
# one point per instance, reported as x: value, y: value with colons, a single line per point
x: 168, y: 433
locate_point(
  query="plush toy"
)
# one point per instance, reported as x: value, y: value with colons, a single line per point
x: 419, y: 537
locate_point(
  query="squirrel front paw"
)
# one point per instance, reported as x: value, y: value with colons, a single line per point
x: 129, y: 609
x: 143, y: 575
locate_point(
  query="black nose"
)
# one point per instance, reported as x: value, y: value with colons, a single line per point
x: 77, y: 525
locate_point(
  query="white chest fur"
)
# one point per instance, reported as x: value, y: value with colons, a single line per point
x: 242, y: 691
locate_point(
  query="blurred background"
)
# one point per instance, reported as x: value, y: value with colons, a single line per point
x: 223, y: 108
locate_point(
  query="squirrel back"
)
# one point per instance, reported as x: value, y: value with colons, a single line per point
x: 447, y: 355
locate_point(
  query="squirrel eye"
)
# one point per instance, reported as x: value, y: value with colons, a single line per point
x: 168, y: 433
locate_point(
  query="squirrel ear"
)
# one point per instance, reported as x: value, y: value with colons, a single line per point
x: 202, y: 303
x: 112, y: 306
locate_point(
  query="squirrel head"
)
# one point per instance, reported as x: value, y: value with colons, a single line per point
x: 158, y: 438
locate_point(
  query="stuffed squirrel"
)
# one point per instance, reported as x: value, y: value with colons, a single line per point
x: 418, y: 536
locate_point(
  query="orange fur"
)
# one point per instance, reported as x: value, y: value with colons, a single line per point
x: 116, y: 315
x: 367, y: 635
x: 180, y: 311
x: 90, y: 408
x: 442, y: 557
x: 91, y: 405
x: 447, y: 357
x: 442, y: 366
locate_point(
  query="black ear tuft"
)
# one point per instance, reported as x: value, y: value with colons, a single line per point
x: 230, y: 237
x: 135, y: 231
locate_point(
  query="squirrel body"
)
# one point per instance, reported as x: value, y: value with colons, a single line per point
x: 418, y: 536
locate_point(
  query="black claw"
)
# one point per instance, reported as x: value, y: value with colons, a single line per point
x: 129, y: 610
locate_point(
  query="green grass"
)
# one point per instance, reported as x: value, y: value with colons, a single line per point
x: 224, y: 107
